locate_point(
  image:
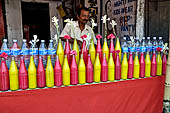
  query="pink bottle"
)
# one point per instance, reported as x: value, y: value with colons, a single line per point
x: 23, y: 75
x: 84, y: 51
x: 164, y: 63
x: 99, y: 48
x: 57, y: 73
x: 104, y: 69
x: 67, y: 48
x: 41, y: 82
x: 73, y: 69
x: 4, y: 76
x: 117, y: 66
x: 142, y: 65
x: 111, y: 48
x: 153, y: 65
x: 89, y: 70
x: 130, y: 66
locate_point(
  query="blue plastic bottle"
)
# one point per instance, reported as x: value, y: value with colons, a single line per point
x: 124, y: 45
x: 160, y: 42
x: 4, y: 48
x: 34, y: 52
x: 137, y: 45
x: 52, y: 52
x: 43, y: 52
x: 154, y: 44
x: 25, y: 52
x: 149, y: 44
x: 143, y: 45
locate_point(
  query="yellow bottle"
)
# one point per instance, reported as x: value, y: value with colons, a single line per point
x: 13, y: 75
x: 49, y: 73
x: 32, y: 79
x: 147, y: 65
x: 111, y: 68
x: 76, y: 48
x: 60, y: 52
x: 92, y: 51
x: 82, y: 71
x: 117, y: 47
x: 66, y: 72
x: 136, y: 67
x: 105, y: 49
x: 124, y: 67
x: 97, y: 69
x: 159, y: 64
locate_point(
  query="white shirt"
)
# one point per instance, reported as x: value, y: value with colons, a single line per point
x: 77, y: 32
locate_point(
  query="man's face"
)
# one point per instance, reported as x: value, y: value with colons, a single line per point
x: 84, y: 16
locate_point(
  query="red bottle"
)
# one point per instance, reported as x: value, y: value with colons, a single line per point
x: 117, y: 67
x: 67, y: 48
x: 104, y: 69
x: 89, y: 70
x: 41, y: 82
x: 164, y: 63
x: 111, y: 48
x: 57, y: 73
x: 73, y: 69
x: 84, y: 51
x: 23, y: 75
x: 99, y: 48
x: 4, y: 76
x: 142, y: 65
x: 130, y: 66
x: 153, y: 65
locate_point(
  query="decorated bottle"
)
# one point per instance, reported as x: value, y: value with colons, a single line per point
x: 32, y: 79
x: 67, y: 48
x: 76, y: 48
x: 99, y: 48
x: 52, y: 51
x: 164, y: 63
x: 136, y: 66
x: 92, y: 51
x: 97, y: 69
x: 4, y: 76
x: 117, y: 47
x: 60, y: 52
x: 112, y: 49
x: 124, y: 67
x: 89, y: 70
x: 84, y: 50
x: 153, y: 64
x: 117, y: 66
x: 49, y: 73
x: 57, y: 72
x: 105, y: 49
x: 41, y: 81
x: 142, y: 65
x: 82, y: 71
x: 111, y: 68
x: 23, y: 75
x: 66, y: 72
x: 13, y: 75
x: 147, y: 65
x: 159, y: 62
x: 73, y: 69
x: 130, y: 66
x: 104, y: 69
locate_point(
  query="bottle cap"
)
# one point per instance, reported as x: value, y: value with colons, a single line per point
x: 42, y: 40
x: 51, y: 40
x: 81, y: 56
x: 154, y: 38
x: 104, y: 55
x: 24, y: 40
x: 110, y: 54
x: 143, y: 38
x: 65, y: 56
x: 4, y: 40
x: 89, y: 55
x: 160, y: 38
x: 59, y: 40
x: 14, y: 41
x: 40, y: 57
x: 124, y: 38
x: 137, y: 38
x: 56, y: 57
x: 97, y: 54
x: 148, y: 38
x: 13, y: 59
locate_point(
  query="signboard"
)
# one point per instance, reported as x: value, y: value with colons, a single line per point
x: 124, y: 13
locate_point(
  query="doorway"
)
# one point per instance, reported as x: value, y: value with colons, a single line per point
x: 36, y: 21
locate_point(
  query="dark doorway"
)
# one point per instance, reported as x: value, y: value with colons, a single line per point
x: 36, y: 20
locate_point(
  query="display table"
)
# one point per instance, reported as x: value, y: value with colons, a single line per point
x: 130, y: 96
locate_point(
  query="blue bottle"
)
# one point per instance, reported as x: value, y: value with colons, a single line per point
x: 124, y: 45
x: 143, y: 45
x: 149, y: 44
x: 154, y: 44
x: 43, y: 52
x: 4, y: 48
x: 52, y: 52
x: 137, y: 45
x: 160, y: 42
x: 34, y: 53
x: 25, y: 52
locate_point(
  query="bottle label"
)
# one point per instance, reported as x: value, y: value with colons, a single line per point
x: 51, y: 52
x: 6, y: 51
x: 149, y: 49
x: 43, y: 52
x: 15, y: 52
x: 137, y: 49
x: 25, y: 52
x: 154, y: 47
x: 124, y: 49
x: 34, y: 52
x: 142, y: 49
x: 131, y: 49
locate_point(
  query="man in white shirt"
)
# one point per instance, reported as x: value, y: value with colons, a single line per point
x: 81, y: 27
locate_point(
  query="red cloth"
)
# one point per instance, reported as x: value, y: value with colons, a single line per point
x: 131, y: 96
